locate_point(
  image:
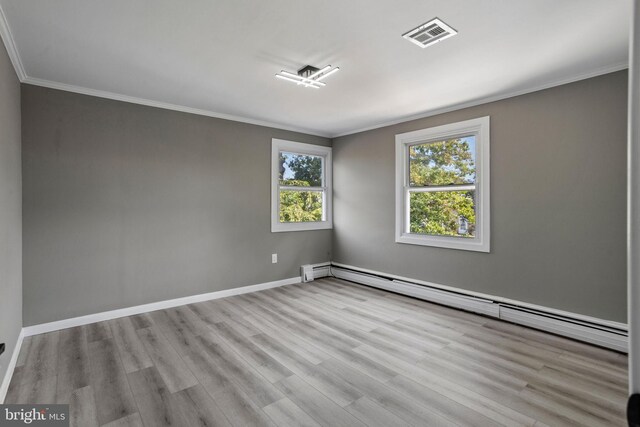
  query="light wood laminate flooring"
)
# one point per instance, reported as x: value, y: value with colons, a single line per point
x: 327, y: 353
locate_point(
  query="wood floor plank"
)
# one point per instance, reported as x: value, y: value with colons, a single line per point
x: 109, y: 382
x: 327, y: 343
x: 226, y: 311
x: 601, y: 372
x: 239, y: 408
x: 170, y: 365
x: 490, y: 408
x: 584, y: 386
x: 619, y: 370
x: 141, y: 321
x: 317, y: 405
x: 98, y: 331
x: 254, y: 385
x: 205, y: 312
x: 463, y: 376
x: 132, y: 420
x: 439, y: 403
x: 198, y: 409
x: 353, y: 320
x: 73, y: 363
x: 373, y: 414
x: 206, y: 368
x: 82, y: 408
x: 410, y: 410
x: 511, y: 375
x: 186, y: 319
x: 132, y: 352
x: 24, y: 351
x: 571, y: 346
x: 156, y: 404
x: 327, y: 352
x: 181, y: 338
x: 38, y: 390
x: 269, y: 367
x: 39, y: 372
x: 304, y: 322
x: 311, y: 353
x: 286, y: 413
x: 591, y: 408
x: 323, y: 380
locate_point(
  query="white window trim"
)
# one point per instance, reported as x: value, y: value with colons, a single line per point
x: 478, y: 127
x: 278, y: 145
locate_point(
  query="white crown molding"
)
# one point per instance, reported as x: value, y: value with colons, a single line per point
x: 7, y: 37
x: 145, y: 308
x: 12, y: 50
x: 14, y: 56
x: 165, y: 105
x: 430, y: 113
x: 4, y: 388
x: 492, y: 98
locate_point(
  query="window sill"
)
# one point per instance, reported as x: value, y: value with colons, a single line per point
x: 300, y: 226
x: 460, y: 243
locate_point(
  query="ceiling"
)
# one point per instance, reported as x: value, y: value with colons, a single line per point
x: 219, y: 57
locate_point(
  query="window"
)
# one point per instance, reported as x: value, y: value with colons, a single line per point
x: 442, y: 186
x: 300, y: 186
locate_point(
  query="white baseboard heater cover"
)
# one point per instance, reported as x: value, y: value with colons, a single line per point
x: 321, y: 270
x: 583, y: 331
x: 476, y: 305
x: 565, y: 325
x: 306, y: 273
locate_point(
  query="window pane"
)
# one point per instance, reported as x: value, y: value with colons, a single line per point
x: 443, y: 213
x: 300, y: 170
x: 448, y: 162
x: 300, y: 206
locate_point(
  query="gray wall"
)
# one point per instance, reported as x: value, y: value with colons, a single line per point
x: 10, y: 210
x: 558, y: 167
x: 126, y: 204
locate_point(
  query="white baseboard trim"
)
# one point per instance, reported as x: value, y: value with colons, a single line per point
x: 160, y: 305
x: 589, y: 329
x: 4, y: 388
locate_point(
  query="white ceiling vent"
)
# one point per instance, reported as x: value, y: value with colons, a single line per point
x: 429, y: 33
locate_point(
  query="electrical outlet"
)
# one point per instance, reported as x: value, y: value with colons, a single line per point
x: 274, y: 258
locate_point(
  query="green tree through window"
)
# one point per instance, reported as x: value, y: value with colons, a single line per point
x: 440, y: 164
x: 297, y: 205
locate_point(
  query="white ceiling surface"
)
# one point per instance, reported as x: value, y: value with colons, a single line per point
x: 221, y: 56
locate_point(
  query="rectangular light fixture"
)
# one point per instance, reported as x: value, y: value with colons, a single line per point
x: 308, y: 76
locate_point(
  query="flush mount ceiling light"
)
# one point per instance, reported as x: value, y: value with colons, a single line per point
x: 429, y: 33
x: 308, y: 76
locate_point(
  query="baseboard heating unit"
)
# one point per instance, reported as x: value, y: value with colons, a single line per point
x: 321, y: 270
x: 603, y: 333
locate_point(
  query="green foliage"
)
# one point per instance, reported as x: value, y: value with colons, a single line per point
x: 304, y: 168
x: 300, y: 206
x: 295, y: 205
x: 439, y: 213
x: 442, y: 213
x: 447, y: 162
